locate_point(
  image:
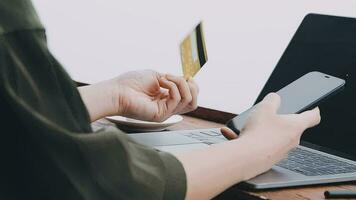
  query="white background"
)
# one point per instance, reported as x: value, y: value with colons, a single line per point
x: 99, y: 39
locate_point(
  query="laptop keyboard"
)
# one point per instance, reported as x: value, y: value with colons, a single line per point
x: 313, y: 164
x: 299, y: 160
x: 207, y: 136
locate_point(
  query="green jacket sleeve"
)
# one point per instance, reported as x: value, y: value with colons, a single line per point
x: 17, y: 14
x: 48, y: 149
x: 148, y: 174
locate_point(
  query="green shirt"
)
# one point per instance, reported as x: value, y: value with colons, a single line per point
x: 48, y: 149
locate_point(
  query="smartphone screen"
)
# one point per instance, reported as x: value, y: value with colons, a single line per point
x: 300, y: 95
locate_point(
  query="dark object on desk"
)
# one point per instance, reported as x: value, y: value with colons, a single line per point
x: 327, y: 154
x: 337, y: 194
x: 304, y: 93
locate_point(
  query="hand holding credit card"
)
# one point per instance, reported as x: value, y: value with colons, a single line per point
x: 193, y: 52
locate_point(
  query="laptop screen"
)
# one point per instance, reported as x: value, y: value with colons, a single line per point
x: 326, y: 44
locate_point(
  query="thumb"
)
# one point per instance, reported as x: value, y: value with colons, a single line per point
x: 270, y: 103
x: 310, y: 118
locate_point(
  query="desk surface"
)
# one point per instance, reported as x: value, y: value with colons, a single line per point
x: 308, y: 192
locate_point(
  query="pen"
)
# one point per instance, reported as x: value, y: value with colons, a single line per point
x: 340, y: 194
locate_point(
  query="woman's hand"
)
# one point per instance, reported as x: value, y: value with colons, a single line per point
x: 145, y: 95
x: 266, y: 139
x: 277, y: 133
x: 151, y: 96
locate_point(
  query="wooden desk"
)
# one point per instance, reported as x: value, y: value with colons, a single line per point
x: 301, y: 193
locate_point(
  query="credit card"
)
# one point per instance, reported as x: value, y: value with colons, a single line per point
x: 193, y: 52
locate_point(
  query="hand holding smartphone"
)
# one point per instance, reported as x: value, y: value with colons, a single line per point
x: 302, y: 94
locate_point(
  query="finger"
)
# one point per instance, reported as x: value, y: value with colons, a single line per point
x: 152, y: 72
x: 193, y: 84
x: 270, y: 103
x: 174, y: 95
x: 194, y: 91
x: 184, y: 90
x: 310, y: 118
x: 228, y: 133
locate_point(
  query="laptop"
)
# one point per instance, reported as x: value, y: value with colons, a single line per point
x: 327, y: 153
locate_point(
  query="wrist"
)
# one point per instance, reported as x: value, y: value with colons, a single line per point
x: 100, y: 99
x: 116, y: 97
x: 260, y: 156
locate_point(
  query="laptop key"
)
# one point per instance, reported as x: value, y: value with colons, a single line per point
x: 207, y: 137
x: 211, y: 133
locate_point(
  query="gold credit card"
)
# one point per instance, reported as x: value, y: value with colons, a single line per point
x: 193, y: 52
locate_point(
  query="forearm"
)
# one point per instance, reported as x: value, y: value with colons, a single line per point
x: 99, y: 99
x: 212, y: 170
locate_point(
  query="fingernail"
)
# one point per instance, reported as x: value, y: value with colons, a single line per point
x: 271, y: 96
x: 317, y: 109
x: 268, y: 96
